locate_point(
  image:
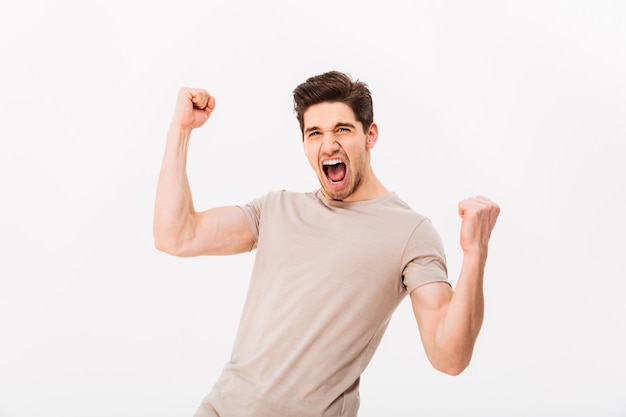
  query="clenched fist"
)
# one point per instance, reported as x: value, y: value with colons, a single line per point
x: 479, y: 215
x: 193, y: 108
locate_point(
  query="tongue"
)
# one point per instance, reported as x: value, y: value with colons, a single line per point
x: 337, y: 172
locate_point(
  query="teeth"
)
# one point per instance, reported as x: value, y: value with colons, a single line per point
x: 332, y: 162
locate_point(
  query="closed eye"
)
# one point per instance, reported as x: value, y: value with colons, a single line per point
x: 344, y: 127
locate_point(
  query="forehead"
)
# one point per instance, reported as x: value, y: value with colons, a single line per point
x: 326, y: 115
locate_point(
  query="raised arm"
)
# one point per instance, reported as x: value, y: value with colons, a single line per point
x: 178, y: 229
x: 449, y: 321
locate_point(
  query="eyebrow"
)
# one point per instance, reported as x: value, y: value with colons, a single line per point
x: 340, y: 124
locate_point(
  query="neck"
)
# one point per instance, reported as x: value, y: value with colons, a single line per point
x: 369, y: 189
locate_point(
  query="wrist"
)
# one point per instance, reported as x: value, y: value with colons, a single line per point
x: 475, y: 260
x: 179, y: 131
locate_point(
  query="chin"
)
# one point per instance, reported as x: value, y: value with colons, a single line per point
x: 337, y: 194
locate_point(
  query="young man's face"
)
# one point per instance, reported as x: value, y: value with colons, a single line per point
x: 338, y: 150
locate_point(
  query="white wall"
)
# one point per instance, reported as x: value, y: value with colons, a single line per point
x: 524, y: 102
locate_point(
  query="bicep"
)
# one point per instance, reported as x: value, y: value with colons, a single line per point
x: 220, y: 231
x: 430, y: 303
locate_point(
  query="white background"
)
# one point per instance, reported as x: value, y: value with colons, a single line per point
x: 524, y: 102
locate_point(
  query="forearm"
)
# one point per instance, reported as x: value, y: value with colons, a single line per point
x: 451, y: 320
x: 173, y: 210
x: 459, y: 327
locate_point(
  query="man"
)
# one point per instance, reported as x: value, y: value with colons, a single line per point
x: 331, y: 265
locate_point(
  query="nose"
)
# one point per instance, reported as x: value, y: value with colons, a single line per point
x: 329, y: 143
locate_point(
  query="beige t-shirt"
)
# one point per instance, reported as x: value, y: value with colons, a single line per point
x: 327, y: 277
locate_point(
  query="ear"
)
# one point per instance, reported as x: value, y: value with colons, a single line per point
x: 371, y: 136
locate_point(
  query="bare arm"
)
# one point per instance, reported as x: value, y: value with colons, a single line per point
x: 178, y: 229
x: 449, y: 321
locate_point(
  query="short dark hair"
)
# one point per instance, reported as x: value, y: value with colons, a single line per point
x: 334, y: 86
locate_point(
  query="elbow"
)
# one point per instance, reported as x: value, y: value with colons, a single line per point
x: 167, y: 240
x: 161, y: 239
x: 452, y: 370
x: 167, y: 246
x: 452, y: 366
x: 164, y: 247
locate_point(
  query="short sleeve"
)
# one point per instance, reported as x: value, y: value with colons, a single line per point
x: 424, y: 258
x: 252, y: 211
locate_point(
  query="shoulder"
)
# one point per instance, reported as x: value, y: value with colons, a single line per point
x: 279, y: 198
x: 284, y: 196
x: 419, y: 226
x: 396, y: 207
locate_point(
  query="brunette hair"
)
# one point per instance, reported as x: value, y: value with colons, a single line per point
x: 334, y: 86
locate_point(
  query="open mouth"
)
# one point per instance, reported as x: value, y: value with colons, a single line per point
x: 335, y: 170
